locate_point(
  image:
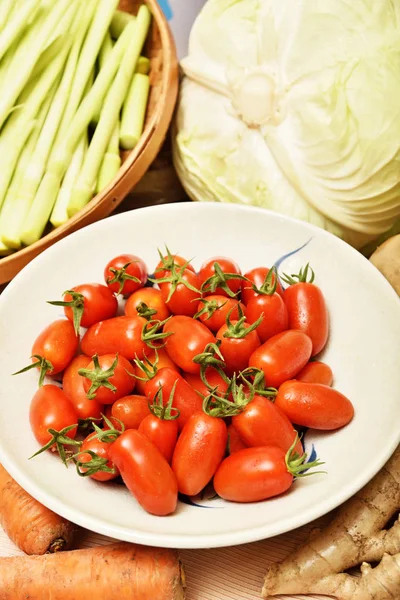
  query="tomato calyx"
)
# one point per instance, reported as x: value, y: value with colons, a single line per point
x: 269, y: 285
x: 305, y: 275
x: 108, y: 436
x: 77, y: 305
x: 87, y: 424
x: 44, y: 365
x: 120, y: 276
x: 167, y: 263
x: 209, y: 308
x: 99, y: 377
x: 96, y: 464
x: 165, y: 412
x: 237, y: 330
x: 176, y: 278
x: 59, y: 439
x: 145, y: 311
x: 211, y: 358
x: 149, y: 368
x: 220, y: 280
x: 258, y: 382
x: 297, y: 464
x: 151, y: 333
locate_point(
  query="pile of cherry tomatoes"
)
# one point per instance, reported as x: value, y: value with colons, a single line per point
x: 205, y: 377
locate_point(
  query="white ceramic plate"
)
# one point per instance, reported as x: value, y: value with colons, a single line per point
x: 363, y: 352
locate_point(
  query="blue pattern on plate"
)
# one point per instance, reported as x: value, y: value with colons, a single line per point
x: 166, y: 7
x: 280, y: 260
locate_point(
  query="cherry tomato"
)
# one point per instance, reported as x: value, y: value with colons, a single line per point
x: 74, y: 388
x: 314, y: 405
x: 316, y: 372
x: 88, y: 304
x: 148, y: 303
x: 228, y: 267
x: 122, y: 335
x: 215, y: 309
x: 308, y: 313
x: 237, y: 350
x: 198, y: 452
x: 262, y: 423
x: 125, y: 274
x: 157, y: 361
x: 51, y: 409
x: 145, y: 472
x: 274, y: 311
x: 256, y: 277
x: 282, y: 356
x: 186, y: 400
x: 57, y: 343
x: 253, y: 474
x: 189, y: 339
x: 168, y: 262
x: 214, y: 379
x: 107, y: 378
x: 181, y: 292
x: 163, y: 433
x: 235, y: 442
x: 101, y: 449
x: 131, y: 410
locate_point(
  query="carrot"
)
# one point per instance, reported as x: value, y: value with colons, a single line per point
x: 356, y: 536
x: 32, y: 527
x: 115, y: 572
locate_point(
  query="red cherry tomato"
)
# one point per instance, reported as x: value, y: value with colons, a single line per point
x: 237, y: 350
x: 198, y: 452
x: 145, y: 472
x: 121, y: 335
x: 314, y: 405
x: 148, y: 303
x: 274, y: 311
x: 262, y: 423
x: 154, y: 362
x: 189, y: 338
x: 282, y: 356
x: 214, y: 379
x: 131, y: 410
x: 256, y: 277
x: 228, y: 267
x: 89, y: 303
x: 215, y: 309
x: 108, y: 370
x: 186, y: 400
x: 57, y: 343
x: 168, y: 262
x: 316, y: 372
x: 74, y: 388
x: 51, y: 409
x: 253, y: 474
x: 162, y: 433
x: 235, y: 442
x: 101, y: 449
x: 125, y: 274
x: 181, y: 292
x: 308, y: 313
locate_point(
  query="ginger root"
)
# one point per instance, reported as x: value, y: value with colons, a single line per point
x: 356, y: 535
x: 387, y: 260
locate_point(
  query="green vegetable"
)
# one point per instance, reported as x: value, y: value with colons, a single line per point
x: 143, y: 65
x: 293, y: 106
x: 84, y: 188
x: 17, y: 24
x: 21, y: 75
x: 119, y: 22
x: 6, y: 8
x: 134, y: 111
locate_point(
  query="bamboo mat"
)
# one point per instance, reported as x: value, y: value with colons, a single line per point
x: 234, y: 573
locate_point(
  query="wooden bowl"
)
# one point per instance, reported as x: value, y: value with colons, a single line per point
x: 160, y: 48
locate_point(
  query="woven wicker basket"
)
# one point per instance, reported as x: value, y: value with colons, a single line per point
x: 160, y: 49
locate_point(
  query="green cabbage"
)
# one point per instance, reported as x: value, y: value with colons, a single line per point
x: 295, y: 107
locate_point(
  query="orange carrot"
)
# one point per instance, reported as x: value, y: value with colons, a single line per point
x: 32, y: 527
x: 115, y: 572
